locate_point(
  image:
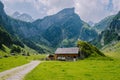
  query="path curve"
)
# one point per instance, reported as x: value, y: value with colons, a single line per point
x: 18, y: 73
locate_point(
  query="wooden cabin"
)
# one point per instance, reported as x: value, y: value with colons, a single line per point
x: 67, y: 53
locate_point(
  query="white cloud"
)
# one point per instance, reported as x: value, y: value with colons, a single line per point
x: 104, y: 2
x: 116, y: 5
x: 12, y: 1
x: 89, y: 10
x: 54, y: 6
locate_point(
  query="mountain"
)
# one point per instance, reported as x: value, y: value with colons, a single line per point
x: 59, y: 18
x: 44, y: 31
x: 102, y: 25
x: 110, y: 34
x: 15, y: 14
x: 59, y: 30
x: 66, y: 28
x: 20, y: 31
x: 22, y: 17
x: 91, y: 23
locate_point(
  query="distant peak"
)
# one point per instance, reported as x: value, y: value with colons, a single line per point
x: 91, y: 23
x: 16, y: 13
x: 68, y: 10
x: 23, y: 17
x: 25, y: 14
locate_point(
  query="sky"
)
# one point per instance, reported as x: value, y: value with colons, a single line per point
x: 88, y: 10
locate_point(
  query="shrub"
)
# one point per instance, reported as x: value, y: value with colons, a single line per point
x: 15, y: 49
x: 6, y: 56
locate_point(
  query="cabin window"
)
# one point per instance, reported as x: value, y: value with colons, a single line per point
x: 61, y: 57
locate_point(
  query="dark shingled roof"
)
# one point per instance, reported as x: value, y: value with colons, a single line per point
x: 72, y: 50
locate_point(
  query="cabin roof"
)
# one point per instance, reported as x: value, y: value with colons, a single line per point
x: 72, y: 50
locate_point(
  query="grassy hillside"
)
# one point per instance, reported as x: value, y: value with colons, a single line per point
x: 112, y: 50
x: 79, y: 70
x: 88, y: 50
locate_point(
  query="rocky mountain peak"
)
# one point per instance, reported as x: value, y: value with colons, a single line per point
x: 22, y: 17
x: 67, y: 11
x: 15, y: 14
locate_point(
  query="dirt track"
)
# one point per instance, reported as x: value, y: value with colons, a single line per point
x: 18, y: 73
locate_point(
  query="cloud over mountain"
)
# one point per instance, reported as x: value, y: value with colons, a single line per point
x: 89, y: 10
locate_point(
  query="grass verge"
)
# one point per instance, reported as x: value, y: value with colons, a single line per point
x: 14, y: 61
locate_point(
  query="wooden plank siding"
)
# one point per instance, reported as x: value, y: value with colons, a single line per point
x: 67, y: 56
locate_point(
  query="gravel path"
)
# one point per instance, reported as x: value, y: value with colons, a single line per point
x: 18, y: 73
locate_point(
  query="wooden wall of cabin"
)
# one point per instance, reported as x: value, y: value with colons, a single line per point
x: 66, y: 55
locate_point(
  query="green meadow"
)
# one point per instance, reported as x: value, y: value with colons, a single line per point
x: 112, y: 50
x: 93, y: 68
x: 89, y: 69
x: 14, y: 61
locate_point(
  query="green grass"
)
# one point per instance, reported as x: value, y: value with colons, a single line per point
x: 112, y: 50
x: 80, y: 70
x: 10, y: 61
x: 14, y: 61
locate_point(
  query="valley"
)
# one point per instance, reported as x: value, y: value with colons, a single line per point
x: 25, y: 42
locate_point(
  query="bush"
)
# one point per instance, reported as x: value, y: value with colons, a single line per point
x: 6, y: 56
x: 15, y: 49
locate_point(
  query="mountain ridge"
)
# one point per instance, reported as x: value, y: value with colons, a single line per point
x: 23, y: 17
x: 103, y: 24
x: 110, y: 34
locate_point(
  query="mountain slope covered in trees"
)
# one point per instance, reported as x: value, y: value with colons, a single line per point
x: 110, y: 34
